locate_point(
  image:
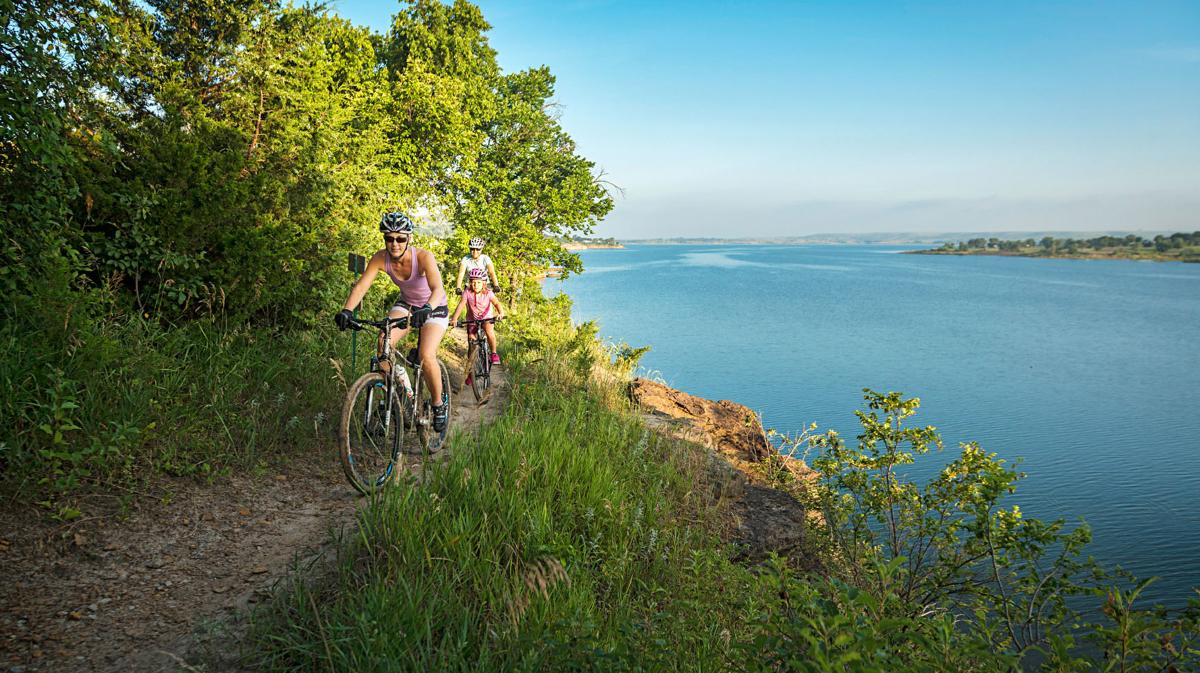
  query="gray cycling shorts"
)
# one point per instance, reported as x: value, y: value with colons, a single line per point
x: 442, y: 314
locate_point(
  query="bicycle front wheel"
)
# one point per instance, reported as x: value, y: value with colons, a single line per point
x: 370, y: 434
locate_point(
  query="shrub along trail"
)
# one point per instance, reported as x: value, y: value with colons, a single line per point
x: 169, y: 581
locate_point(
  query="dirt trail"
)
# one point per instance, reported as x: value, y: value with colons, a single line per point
x: 170, y: 582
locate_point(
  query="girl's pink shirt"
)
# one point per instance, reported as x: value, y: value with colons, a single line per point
x: 479, y: 306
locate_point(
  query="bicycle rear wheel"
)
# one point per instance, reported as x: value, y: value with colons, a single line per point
x: 370, y: 434
x: 481, y: 376
x: 429, y: 440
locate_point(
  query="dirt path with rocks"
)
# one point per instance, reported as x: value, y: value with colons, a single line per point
x: 169, y: 582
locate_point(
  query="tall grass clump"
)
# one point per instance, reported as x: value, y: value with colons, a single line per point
x: 109, y: 403
x: 562, y: 537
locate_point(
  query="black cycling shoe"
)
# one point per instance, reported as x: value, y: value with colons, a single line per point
x: 441, y: 415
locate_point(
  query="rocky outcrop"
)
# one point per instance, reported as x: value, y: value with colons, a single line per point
x: 765, y: 519
x: 729, y: 427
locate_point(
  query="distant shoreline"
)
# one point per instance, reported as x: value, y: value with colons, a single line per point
x: 755, y: 241
x: 592, y: 246
x: 913, y: 238
x: 1117, y: 254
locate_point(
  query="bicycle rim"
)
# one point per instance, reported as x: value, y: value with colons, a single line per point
x: 370, y: 434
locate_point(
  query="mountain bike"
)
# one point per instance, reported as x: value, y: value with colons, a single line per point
x: 388, y: 414
x: 479, y: 358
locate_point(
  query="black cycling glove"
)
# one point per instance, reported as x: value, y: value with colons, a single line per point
x: 343, y: 318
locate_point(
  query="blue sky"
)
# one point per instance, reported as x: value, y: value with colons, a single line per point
x: 791, y: 118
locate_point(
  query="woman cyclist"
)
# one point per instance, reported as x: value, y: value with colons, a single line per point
x: 415, y: 272
x: 476, y: 260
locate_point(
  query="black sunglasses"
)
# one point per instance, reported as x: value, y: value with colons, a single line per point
x: 395, y: 239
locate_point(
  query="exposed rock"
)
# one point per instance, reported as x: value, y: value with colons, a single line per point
x: 731, y: 428
x: 766, y: 519
x: 771, y: 520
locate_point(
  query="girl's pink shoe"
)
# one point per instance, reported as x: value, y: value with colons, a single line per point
x: 495, y: 358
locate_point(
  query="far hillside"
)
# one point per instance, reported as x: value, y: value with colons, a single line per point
x: 1178, y: 247
x: 585, y: 242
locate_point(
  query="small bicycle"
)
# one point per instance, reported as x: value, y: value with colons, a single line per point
x: 479, y: 358
x: 386, y: 416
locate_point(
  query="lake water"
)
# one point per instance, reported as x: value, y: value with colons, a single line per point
x: 1088, y: 371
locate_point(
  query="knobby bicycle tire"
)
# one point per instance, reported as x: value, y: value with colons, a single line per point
x: 480, y: 371
x: 369, y: 445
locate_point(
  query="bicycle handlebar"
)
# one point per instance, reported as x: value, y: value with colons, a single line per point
x: 398, y: 323
x: 477, y: 322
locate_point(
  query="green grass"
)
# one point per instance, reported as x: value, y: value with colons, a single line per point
x: 562, y: 537
x: 99, y: 404
x: 97, y: 398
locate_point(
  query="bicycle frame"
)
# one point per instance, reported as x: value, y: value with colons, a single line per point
x: 401, y: 421
x: 480, y: 338
x: 479, y: 347
x: 408, y: 402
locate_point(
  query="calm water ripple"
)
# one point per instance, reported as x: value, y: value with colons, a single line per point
x: 1088, y: 372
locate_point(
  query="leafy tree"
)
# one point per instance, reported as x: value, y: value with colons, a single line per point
x: 50, y: 54
x: 951, y: 551
x: 530, y: 186
x: 959, y: 550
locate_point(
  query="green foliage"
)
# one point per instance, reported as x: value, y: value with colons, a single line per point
x: 133, y: 399
x: 825, y: 625
x: 952, y: 551
x: 963, y: 552
x: 170, y: 169
x: 220, y: 157
x: 626, y: 357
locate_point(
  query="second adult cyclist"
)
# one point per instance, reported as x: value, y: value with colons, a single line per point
x: 476, y: 260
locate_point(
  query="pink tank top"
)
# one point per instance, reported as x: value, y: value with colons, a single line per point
x: 414, y: 290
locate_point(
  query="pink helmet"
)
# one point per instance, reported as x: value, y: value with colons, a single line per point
x: 477, y: 274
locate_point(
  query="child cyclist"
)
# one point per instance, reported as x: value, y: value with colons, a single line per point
x: 478, y: 302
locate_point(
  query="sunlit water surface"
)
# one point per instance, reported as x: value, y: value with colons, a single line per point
x: 1087, y: 371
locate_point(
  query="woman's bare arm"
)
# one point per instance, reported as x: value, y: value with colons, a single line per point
x: 433, y: 275
x: 462, y: 271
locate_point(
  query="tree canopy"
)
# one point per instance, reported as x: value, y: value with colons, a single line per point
x: 222, y: 156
